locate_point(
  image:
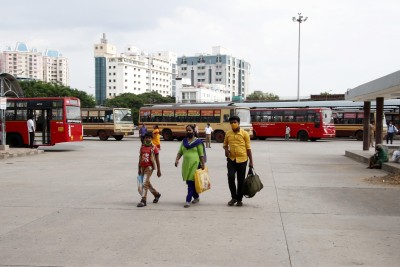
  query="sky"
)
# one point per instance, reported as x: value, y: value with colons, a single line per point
x: 344, y: 43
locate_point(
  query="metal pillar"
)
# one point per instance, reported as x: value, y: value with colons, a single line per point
x: 3, y: 116
x: 366, y: 131
x: 379, y: 120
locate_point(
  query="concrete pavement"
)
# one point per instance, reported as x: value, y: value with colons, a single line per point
x: 75, y: 205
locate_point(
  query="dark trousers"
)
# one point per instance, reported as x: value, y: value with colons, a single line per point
x: 31, y: 139
x: 191, y: 191
x: 389, y: 137
x: 239, y: 170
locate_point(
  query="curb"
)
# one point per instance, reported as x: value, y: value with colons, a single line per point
x: 18, y: 153
x: 363, y: 157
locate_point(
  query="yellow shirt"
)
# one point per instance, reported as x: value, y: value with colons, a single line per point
x: 238, y: 144
x: 156, y: 137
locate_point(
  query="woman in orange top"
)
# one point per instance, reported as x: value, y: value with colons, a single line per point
x: 156, y: 137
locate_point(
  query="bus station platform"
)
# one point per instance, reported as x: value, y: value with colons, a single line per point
x: 363, y: 157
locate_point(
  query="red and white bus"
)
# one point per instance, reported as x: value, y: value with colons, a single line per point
x: 305, y: 123
x: 57, y: 120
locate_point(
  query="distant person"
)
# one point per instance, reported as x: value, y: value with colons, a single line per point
x: 287, y: 132
x: 156, y: 137
x: 371, y: 134
x: 391, y: 131
x: 237, y: 152
x: 196, y: 130
x: 148, y: 162
x: 380, y: 156
x: 31, y: 130
x: 142, y: 132
x: 208, y: 131
x: 193, y: 152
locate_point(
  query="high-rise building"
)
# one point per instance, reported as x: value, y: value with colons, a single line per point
x: 26, y: 63
x: 102, y: 52
x: 55, y: 68
x: 132, y: 71
x: 217, y: 68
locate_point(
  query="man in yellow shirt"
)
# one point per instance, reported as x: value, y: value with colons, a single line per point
x: 237, y: 151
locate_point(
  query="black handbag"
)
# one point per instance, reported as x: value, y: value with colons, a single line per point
x: 252, y: 184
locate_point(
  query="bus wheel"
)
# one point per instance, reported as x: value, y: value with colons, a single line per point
x: 103, y: 136
x: 359, y: 135
x: 219, y: 136
x: 167, y: 135
x: 14, y: 140
x: 118, y: 137
x: 303, y: 136
x: 254, y: 137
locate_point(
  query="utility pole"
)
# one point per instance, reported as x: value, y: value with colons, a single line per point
x: 300, y: 19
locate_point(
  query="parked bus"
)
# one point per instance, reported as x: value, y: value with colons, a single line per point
x: 348, y: 127
x: 106, y: 122
x: 56, y: 119
x: 305, y: 123
x: 172, y: 119
x: 349, y: 123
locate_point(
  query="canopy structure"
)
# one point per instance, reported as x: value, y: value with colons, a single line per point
x: 10, y: 86
x: 387, y: 87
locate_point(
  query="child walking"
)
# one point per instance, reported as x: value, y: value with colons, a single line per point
x: 148, y: 161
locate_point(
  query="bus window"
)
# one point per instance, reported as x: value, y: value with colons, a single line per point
x: 22, y: 115
x: 311, y: 118
x: 277, y: 115
x: 10, y: 115
x: 226, y: 118
x: 317, y: 120
x: 288, y: 115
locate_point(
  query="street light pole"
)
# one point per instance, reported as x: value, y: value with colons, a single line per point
x: 300, y: 19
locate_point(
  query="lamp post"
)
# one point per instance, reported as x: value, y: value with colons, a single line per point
x: 300, y: 19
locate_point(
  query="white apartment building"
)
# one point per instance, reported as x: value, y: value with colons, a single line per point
x: 132, y: 71
x: 217, y: 68
x: 201, y: 93
x: 55, y: 68
x: 27, y: 63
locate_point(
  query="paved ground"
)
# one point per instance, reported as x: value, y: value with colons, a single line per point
x: 75, y: 205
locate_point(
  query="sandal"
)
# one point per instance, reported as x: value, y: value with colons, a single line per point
x: 157, y: 198
x: 142, y: 203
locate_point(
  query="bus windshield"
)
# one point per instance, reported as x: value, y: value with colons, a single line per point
x: 244, y: 115
x: 73, y: 114
x: 327, y: 117
x: 123, y: 116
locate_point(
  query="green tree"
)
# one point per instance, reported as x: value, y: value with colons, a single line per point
x: 43, y: 89
x: 324, y: 93
x: 261, y: 96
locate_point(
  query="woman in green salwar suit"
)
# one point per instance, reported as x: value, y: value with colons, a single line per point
x: 193, y: 152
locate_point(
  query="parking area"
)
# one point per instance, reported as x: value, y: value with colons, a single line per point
x: 75, y: 205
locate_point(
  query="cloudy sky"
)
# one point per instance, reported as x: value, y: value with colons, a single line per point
x: 344, y: 43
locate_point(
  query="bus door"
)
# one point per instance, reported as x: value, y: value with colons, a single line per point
x: 42, y: 122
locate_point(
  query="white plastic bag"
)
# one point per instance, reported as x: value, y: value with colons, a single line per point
x: 396, y: 156
x: 140, y: 184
